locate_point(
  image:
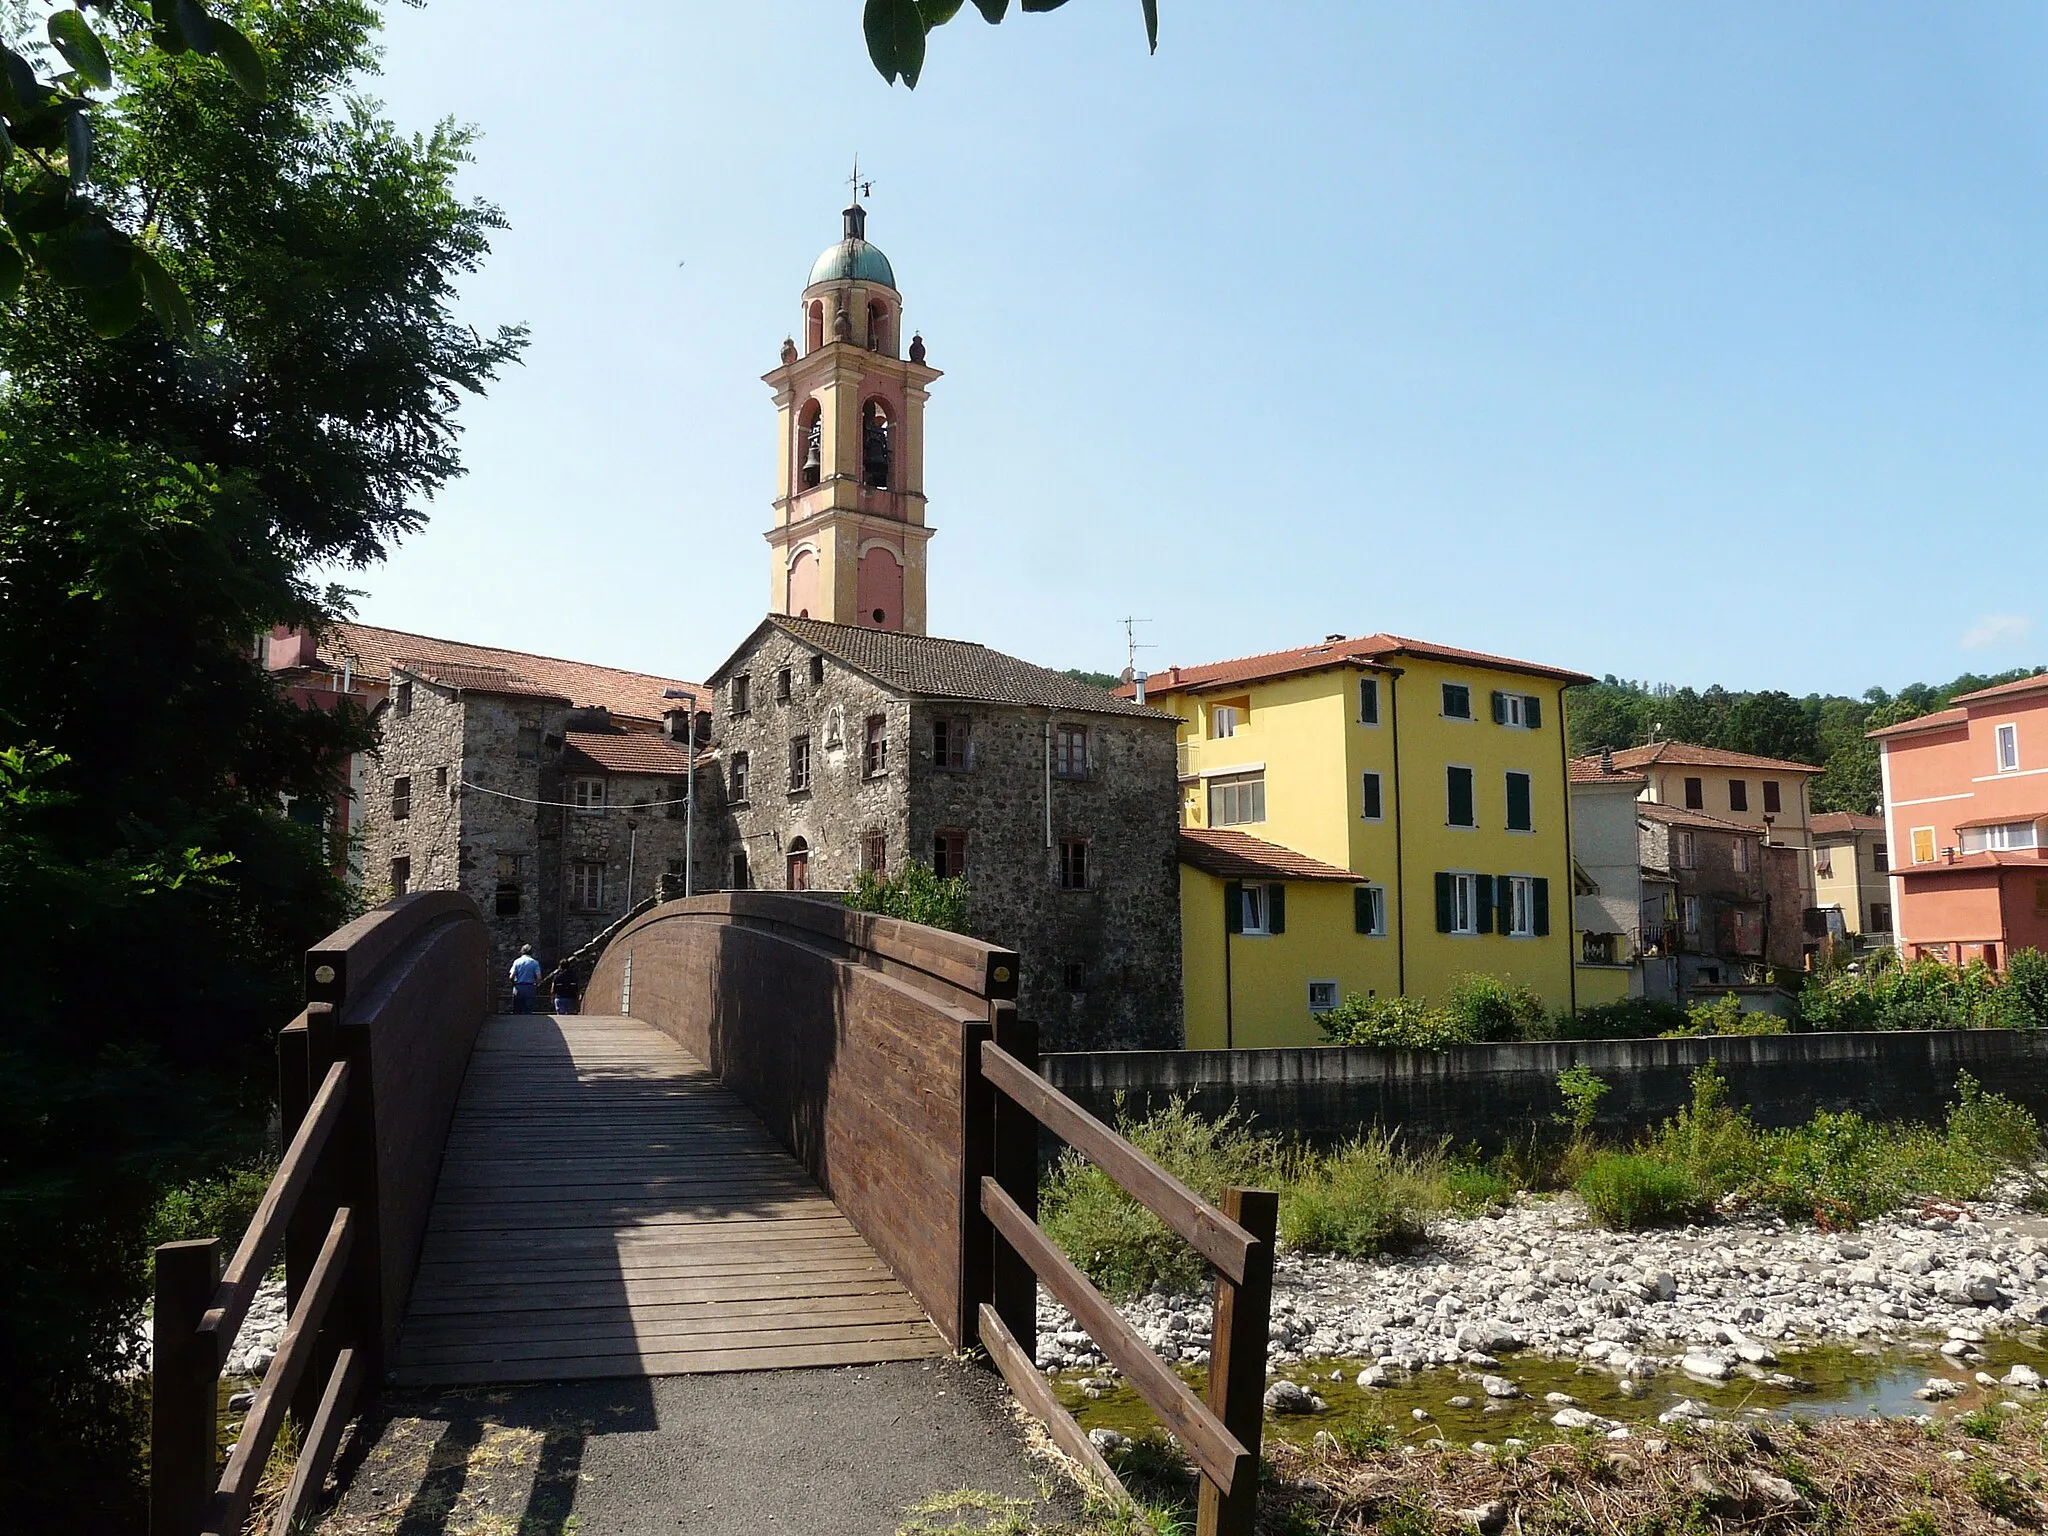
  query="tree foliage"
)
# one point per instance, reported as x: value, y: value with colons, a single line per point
x: 897, y: 30
x: 163, y: 497
x: 1826, y: 730
x: 916, y: 893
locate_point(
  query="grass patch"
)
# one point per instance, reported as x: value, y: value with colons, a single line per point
x: 1367, y: 1198
x: 1629, y: 1192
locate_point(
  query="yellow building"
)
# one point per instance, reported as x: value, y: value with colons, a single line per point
x: 1402, y: 805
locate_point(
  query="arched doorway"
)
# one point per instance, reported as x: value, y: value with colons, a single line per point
x: 799, y: 865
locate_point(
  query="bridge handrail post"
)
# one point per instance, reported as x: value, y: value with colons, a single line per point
x: 1237, y: 1360
x: 977, y: 1160
x: 302, y: 1067
x: 184, y: 1406
x: 1015, y: 1154
x: 361, y: 1304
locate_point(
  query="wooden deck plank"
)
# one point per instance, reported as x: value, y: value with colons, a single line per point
x: 606, y: 1208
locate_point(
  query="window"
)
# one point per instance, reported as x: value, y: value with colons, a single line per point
x: 441, y: 780
x: 740, y: 694
x: 949, y: 854
x: 1695, y: 794
x: 1322, y: 997
x: 817, y: 671
x: 2005, y: 835
x: 1223, y: 720
x: 874, y: 851
x: 1738, y: 855
x: 508, y: 893
x: 798, y: 865
x: 401, y: 798
x: 799, y: 766
x: 1369, y: 910
x: 1774, y: 802
x: 1599, y: 948
x: 677, y: 794
x: 1520, y: 907
x: 741, y: 875
x: 1738, y: 794
x: 1370, y: 804
x: 1237, y: 798
x: 587, y: 795
x: 1522, y: 711
x: 1690, y: 906
x: 2008, y: 748
x: 1075, y: 974
x: 1457, y: 702
x: 1880, y: 917
x: 402, y: 698
x: 782, y: 686
x: 1457, y: 902
x: 1991, y: 956
x: 874, y: 445
x: 1688, y: 849
x: 1458, y: 810
x: 1258, y: 910
x: 401, y: 876
x: 1074, y: 864
x: 953, y: 744
x: 1824, y: 863
x: 1880, y: 858
x: 1368, y: 701
x: 1521, y: 813
x: 1923, y: 845
x: 589, y: 887
x: 875, y: 757
x: 527, y: 743
x: 1070, y: 751
x: 736, y: 779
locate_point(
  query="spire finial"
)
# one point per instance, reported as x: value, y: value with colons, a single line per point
x: 861, y: 188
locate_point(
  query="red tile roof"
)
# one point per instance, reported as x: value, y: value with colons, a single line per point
x: 1990, y: 858
x: 1941, y: 719
x: 1374, y: 652
x: 1685, y: 754
x: 2038, y: 683
x: 450, y: 674
x: 636, y: 695
x: 1590, y: 770
x: 1679, y: 816
x: 627, y: 752
x: 1239, y: 856
x: 1842, y: 823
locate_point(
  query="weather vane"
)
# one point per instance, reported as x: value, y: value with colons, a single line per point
x: 861, y: 188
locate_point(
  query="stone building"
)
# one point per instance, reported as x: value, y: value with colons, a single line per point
x: 1721, y: 907
x: 845, y: 749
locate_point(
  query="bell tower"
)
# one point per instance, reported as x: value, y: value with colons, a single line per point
x: 849, y: 537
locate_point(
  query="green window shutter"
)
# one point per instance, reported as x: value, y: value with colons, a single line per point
x: 1532, y: 712
x: 1369, y: 796
x: 1276, y: 909
x: 1368, y: 701
x: 1500, y: 707
x: 1233, y: 906
x: 1458, y: 792
x: 1361, y: 909
x: 1482, y: 903
x: 1443, y: 903
x: 1540, y: 894
x: 1520, y: 816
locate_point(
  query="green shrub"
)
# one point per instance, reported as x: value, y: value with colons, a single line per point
x: 1404, y: 1022
x: 1583, y: 1090
x: 1991, y: 1125
x: 2024, y: 995
x: 915, y: 893
x: 1627, y: 1191
x: 1364, y: 1199
x: 1119, y: 1244
x: 1838, y: 1169
x: 1490, y: 1008
x: 1927, y: 994
x: 215, y: 1207
x: 1633, y: 1018
x: 1471, y: 1186
x: 1726, y: 1016
x: 1718, y: 1147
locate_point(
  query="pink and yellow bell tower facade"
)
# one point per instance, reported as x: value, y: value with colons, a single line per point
x: 848, y: 545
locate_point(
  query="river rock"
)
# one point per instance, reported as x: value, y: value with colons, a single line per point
x: 1500, y: 1386
x: 1485, y: 1518
x: 1706, y: 1367
x: 1107, y: 1440
x: 2023, y: 1376
x: 1292, y: 1397
x: 1375, y: 1376
x: 1939, y: 1389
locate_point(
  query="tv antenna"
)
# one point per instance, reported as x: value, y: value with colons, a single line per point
x: 861, y: 188
x: 1132, y: 644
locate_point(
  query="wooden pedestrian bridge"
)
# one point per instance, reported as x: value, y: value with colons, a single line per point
x: 782, y: 1135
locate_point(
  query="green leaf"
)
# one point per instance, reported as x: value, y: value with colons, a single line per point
x: 895, y: 33
x: 72, y: 35
x: 23, y: 91
x: 6, y: 145
x: 937, y: 13
x: 196, y: 25
x: 241, y: 60
x: 78, y: 147
x: 42, y: 206
x: 112, y: 309
x: 12, y: 269
x: 89, y: 254
x: 991, y: 10
x: 173, y: 310
x: 1043, y: 5
x: 1151, y: 24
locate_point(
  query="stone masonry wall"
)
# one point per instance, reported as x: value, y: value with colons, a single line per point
x: 419, y: 745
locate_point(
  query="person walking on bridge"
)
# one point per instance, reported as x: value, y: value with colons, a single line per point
x: 566, y: 990
x: 525, y: 978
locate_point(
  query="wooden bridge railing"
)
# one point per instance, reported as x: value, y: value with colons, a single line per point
x: 367, y: 1078
x: 1222, y: 1434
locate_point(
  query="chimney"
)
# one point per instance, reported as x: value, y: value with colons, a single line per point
x: 1607, y: 759
x: 1140, y: 679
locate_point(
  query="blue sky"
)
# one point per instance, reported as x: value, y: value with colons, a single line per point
x: 1696, y: 343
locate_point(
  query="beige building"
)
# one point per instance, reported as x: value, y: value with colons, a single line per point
x: 1851, y: 865
x: 1607, y: 880
x: 1767, y: 793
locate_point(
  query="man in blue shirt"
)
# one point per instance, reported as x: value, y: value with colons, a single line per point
x: 525, y: 977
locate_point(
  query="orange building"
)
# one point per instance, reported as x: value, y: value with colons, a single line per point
x: 1966, y: 823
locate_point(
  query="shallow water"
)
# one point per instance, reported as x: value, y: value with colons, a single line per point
x: 1851, y: 1381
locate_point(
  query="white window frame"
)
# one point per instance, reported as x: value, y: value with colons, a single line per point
x: 587, y: 794
x: 1224, y: 720
x: 1514, y: 710
x: 1254, y: 911
x: 1689, y: 914
x: 1236, y: 781
x: 2007, y: 737
x: 1464, y: 906
x: 1330, y: 998
x: 1738, y: 855
x: 1521, y: 907
x: 589, y: 894
x: 1686, y: 853
x: 1933, y: 845
x: 1380, y: 783
x: 2000, y: 837
x: 1378, y: 895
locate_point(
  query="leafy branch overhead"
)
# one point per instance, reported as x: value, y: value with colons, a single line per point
x: 53, y: 222
x: 897, y: 29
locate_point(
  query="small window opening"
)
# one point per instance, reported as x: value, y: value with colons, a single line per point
x: 875, y: 444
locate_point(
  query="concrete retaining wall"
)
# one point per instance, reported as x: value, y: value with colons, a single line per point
x: 1490, y: 1094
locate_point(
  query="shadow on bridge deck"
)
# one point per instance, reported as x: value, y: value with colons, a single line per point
x: 607, y: 1209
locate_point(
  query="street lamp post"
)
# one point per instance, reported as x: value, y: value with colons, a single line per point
x: 689, y: 789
